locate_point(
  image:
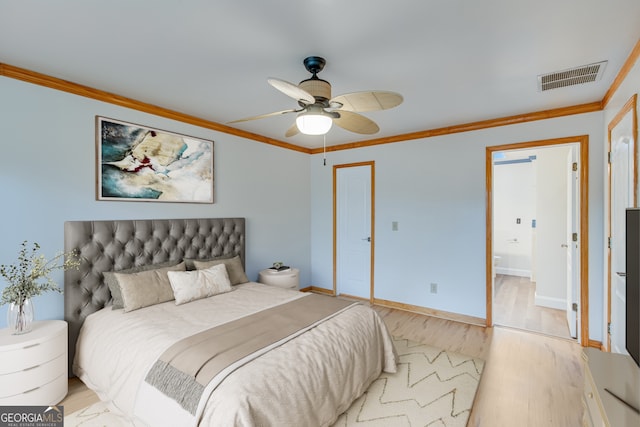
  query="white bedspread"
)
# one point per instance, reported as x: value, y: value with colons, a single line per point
x: 308, y: 381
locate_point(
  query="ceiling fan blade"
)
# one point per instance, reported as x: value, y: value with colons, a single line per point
x: 292, y: 91
x: 355, y: 122
x: 368, y: 101
x: 293, y: 130
x: 262, y: 116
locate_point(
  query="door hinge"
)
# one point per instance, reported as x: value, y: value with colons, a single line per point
x: 574, y: 306
x: 575, y: 166
x: 609, y: 328
x: 609, y: 157
x: 609, y: 242
x: 574, y: 237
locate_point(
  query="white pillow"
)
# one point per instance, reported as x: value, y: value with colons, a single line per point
x: 192, y: 285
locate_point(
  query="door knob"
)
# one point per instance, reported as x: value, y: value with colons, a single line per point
x: 621, y: 273
x: 368, y: 239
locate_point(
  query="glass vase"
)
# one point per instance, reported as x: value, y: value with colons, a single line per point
x: 20, y: 317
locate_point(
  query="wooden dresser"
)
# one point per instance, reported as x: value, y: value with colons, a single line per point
x: 617, y: 373
x: 33, y: 366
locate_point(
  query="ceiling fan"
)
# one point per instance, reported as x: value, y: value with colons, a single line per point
x: 318, y: 110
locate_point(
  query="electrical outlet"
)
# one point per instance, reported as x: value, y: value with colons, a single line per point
x: 434, y: 288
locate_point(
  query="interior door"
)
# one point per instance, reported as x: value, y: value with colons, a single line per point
x: 622, y: 197
x: 354, y: 231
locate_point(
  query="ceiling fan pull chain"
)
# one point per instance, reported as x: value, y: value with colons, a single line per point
x: 324, y: 149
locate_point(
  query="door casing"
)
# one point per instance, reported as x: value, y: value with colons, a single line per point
x: 583, y: 235
x: 630, y: 106
x: 370, y: 164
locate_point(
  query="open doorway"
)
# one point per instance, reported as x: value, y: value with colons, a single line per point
x: 536, y: 209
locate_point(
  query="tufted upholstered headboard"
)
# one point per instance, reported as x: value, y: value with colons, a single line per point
x: 121, y: 244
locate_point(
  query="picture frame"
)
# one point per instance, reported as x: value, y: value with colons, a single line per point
x: 143, y: 164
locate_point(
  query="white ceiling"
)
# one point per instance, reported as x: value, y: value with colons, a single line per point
x: 454, y: 61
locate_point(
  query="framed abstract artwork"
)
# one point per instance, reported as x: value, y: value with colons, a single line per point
x: 137, y: 163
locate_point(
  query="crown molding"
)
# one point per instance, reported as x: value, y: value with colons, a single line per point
x: 467, y: 127
x: 622, y: 74
x: 89, y: 92
x: 40, y: 79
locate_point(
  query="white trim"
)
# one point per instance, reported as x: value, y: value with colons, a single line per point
x: 513, y: 272
x: 551, y: 302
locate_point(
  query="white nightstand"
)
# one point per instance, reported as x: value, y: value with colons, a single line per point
x: 606, y: 373
x: 33, y: 366
x: 289, y: 279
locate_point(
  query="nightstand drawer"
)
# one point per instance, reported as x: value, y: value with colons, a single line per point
x: 33, y: 378
x: 289, y: 279
x: 33, y: 354
x: 594, y: 411
x: 33, y: 366
x: 48, y: 394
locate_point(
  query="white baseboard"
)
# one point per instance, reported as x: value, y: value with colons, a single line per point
x: 513, y: 272
x: 551, y: 302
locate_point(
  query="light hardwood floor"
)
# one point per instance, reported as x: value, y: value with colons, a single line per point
x: 529, y: 379
x: 514, y: 306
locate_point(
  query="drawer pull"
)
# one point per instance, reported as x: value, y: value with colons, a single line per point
x: 31, y: 346
x: 30, y: 368
x: 590, y: 395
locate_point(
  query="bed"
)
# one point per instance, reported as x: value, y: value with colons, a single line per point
x: 293, y: 358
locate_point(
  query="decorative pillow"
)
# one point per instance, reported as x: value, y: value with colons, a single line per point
x: 146, y: 288
x: 112, y: 282
x: 234, y: 268
x: 191, y: 262
x: 192, y: 285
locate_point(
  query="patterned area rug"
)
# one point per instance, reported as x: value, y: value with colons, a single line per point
x: 432, y: 388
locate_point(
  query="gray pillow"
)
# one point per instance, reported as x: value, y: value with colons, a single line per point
x: 114, y: 287
x: 146, y: 288
x: 190, y: 262
x: 234, y: 268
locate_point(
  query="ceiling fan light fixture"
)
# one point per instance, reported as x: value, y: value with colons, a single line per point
x: 313, y: 123
x: 319, y: 110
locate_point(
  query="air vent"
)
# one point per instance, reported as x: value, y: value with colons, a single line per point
x: 574, y: 76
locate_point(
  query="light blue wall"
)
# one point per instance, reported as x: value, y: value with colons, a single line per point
x: 47, y: 177
x: 435, y: 189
